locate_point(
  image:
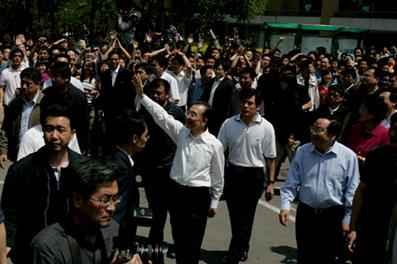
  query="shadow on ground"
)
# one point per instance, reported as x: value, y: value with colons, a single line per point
x: 289, y: 253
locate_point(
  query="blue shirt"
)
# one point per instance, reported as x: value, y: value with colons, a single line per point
x: 27, y: 109
x: 323, y: 180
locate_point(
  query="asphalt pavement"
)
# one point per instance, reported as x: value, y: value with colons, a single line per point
x: 270, y: 242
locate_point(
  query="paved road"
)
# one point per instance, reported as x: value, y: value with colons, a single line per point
x: 270, y: 242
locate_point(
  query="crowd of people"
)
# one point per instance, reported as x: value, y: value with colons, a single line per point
x: 80, y: 120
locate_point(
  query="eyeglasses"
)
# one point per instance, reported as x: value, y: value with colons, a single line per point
x: 107, y: 200
x: 317, y: 131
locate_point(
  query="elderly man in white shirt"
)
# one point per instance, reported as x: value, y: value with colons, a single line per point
x: 197, y: 172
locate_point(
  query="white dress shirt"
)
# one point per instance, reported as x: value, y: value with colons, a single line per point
x: 183, y: 82
x: 174, y: 91
x: 248, y: 146
x: 199, y: 161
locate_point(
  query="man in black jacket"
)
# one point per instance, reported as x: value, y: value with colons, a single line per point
x: 34, y: 190
x: 65, y: 93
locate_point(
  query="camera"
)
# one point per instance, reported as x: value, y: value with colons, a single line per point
x: 152, y: 252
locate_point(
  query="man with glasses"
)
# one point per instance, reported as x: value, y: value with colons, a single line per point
x: 196, y: 173
x: 86, y: 234
x: 24, y: 113
x: 34, y: 193
x: 326, y: 174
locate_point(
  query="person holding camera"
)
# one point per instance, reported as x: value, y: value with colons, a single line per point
x: 86, y: 234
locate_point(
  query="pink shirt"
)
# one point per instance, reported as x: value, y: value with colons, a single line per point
x: 361, y: 142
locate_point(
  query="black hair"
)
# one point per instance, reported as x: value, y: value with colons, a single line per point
x: 350, y: 71
x: 334, y: 127
x: 61, y: 68
x: 87, y: 174
x: 160, y: 82
x: 338, y: 89
x: 56, y: 110
x: 249, y: 92
x: 250, y: 71
x: 162, y: 61
x: 393, y: 119
x: 127, y: 124
x: 32, y: 74
x: 204, y: 69
x: 14, y: 51
x: 61, y: 55
x: 376, y: 105
x: 179, y: 60
x: 208, y: 112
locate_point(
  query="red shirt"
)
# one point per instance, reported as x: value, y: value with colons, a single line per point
x: 361, y: 141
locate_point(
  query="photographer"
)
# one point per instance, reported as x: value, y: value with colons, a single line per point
x: 86, y: 234
x: 127, y: 22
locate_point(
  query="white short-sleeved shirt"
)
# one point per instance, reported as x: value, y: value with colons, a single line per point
x: 248, y: 146
x: 183, y: 82
x: 11, y: 80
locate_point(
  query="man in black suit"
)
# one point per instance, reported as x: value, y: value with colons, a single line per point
x: 63, y: 92
x: 132, y: 134
x: 218, y: 95
x: 116, y: 94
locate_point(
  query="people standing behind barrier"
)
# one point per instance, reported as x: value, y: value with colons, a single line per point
x: 372, y: 236
x: 197, y: 174
x: 324, y: 176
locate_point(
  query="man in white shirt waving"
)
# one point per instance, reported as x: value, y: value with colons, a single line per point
x: 197, y: 172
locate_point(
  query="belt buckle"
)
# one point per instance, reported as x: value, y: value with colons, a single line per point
x: 318, y: 210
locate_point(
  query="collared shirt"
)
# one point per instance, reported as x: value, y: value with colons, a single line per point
x: 217, y: 81
x: 174, y: 91
x: 199, y: 161
x: 10, y: 79
x: 129, y: 157
x: 27, y: 109
x: 114, y: 75
x: 183, y: 82
x: 324, y: 180
x: 248, y: 146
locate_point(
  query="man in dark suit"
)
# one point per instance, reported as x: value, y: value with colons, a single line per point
x: 132, y: 134
x: 65, y: 93
x: 117, y: 92
x: 218, y: 95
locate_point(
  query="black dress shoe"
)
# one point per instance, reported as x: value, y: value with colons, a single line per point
x: 244, y: 256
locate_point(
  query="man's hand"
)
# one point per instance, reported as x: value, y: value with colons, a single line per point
x: 283, y: 217
x: 137, y: 82
x: 350, y: 239
x: 345, y: 229
x: 3, y: 159
x: 212, y: 212
x: 137, y: 260
x: 269, y: 191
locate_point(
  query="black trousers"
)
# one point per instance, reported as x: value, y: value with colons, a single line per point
x: 319, y: 234
x: 158, y: 189
x: 189, y: 214
x: 243, y: 188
